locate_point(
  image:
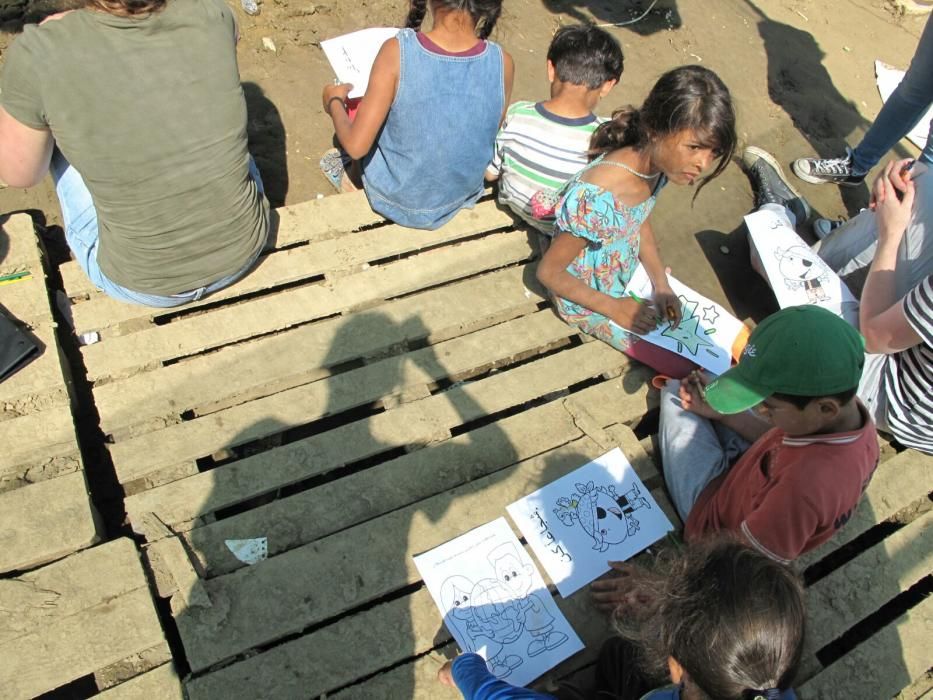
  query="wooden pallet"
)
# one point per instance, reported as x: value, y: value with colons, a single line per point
x: 45, y: 511
x: 885, y: 550
x: 90, y: 614
x: 368, y: 393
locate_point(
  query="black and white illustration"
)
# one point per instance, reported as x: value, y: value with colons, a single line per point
x: 496, y: 604
x: 606, y: 516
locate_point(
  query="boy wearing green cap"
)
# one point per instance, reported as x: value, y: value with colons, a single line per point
x: 802, y: 457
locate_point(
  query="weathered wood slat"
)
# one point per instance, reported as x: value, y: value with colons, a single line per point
x: 267, y: 314
x: 282, y: 267
x: 351, y: 500
x: 37, y: 436
x: 881, y: 666
x: 22, y: 251
x: 44, y: 521
x: 897, y: 483
x: 161, y: 683
x: 855, y: 590
x: 249, y: 370
x: 39, y: 385
x: 73, y: 617
x: 304, y: 404
x: 418, y: 422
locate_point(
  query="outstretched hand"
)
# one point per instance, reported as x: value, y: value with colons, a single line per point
x: 619, y: 591
x: 445, y: 674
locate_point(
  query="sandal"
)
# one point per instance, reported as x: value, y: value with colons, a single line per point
x: 334, y: 164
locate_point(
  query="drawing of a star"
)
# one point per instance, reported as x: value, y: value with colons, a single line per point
x: 710, y: 314
x: 687, y: 334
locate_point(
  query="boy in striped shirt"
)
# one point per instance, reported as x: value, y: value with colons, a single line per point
x: 541, y: 145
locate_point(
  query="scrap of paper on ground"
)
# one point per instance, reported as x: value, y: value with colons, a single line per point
x: 889, y: 78
x: 706, y: 332
x: 495, y: 603
x: 352, y: 55
x: 598, y: 513
x: 795, y: 272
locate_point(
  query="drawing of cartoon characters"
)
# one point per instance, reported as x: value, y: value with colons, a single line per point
x: 602, y: 513
x: 801, y: 268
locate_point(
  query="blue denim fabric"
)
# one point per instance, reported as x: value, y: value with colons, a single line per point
x: 82, y: 236
x: 904, y: 108
x: 429, y: 159
x: 694, y: 450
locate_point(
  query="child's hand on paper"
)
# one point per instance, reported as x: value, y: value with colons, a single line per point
x: 692, y: 395
x: 621, y: 591
x: 633, y: 315
x: 668, y: 305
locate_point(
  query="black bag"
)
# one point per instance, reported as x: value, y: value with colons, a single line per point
x: 16, y: 347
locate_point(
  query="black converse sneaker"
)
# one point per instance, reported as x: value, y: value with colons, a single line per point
x: 770, y: 185
x: 832, y: 171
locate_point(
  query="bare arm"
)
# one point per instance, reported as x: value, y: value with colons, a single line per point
x: 25, y: 153
x: 508, y: 78
x: 881, y: 314
x: 665, y: 300
x: 357, y: 137
x: 552, y: 273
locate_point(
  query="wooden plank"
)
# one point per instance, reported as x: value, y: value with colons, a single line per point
x: 36, y: 437
x: 356, y: 566
x: 230, y: 324
x: 45, y: 521
x: 316, y: 219
x: 348, y: 501
x: 881, y: 666
x: 279, y: 268
x: 161, y: 682
x: 897, y: 483
x: 304, y: 404
x: 419, y: 422
x: 40, y: 384
x: 865, y: 583
x: 74, y: 617
x: 250, y: 370
x: 22, y: 248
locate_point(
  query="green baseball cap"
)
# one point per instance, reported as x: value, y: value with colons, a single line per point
x: 801, y: 351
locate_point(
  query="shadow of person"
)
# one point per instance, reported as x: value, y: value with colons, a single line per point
x: 266, y: 134
x: 800, y: 84
x: 644, y: 17
x: 388, y: 480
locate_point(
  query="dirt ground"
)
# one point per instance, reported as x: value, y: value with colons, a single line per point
x: 801, y: 72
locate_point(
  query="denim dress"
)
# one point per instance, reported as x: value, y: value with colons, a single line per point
x: 428, y: 160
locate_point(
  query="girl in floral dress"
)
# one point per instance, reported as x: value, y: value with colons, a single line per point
x: 685, y: 127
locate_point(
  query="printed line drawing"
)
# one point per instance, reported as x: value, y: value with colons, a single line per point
x: 497, y: 612
x: 801, y: 268
x: 688, y: 333
x: 602, y: 513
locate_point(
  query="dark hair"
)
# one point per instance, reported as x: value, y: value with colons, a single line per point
x: 584, y: 54
x: 802, y: 402
x: 731, y: 617
x: 485, y: 13
x: 689, y: 97
x: 127, y: 8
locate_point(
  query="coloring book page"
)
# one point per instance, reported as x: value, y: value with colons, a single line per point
x: 495, y: 603
x: 352, y: 55
x: 797, y: 275
x: 706, y: 333
x: 598, y: 513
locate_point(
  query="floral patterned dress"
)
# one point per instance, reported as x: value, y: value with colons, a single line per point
x: 611, y: 253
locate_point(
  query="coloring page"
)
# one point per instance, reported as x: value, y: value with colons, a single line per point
x: 796, y: 274
x: 495, y: 603
x: 598, y: 513
x: 706, y: 333
x: 352, y: 55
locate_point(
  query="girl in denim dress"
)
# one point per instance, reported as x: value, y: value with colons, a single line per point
x: 686, y: 125
x: 425, y: 130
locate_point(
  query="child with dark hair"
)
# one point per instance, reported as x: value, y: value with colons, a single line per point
x: 425, y: 129
x: 685, y: 127
x: 719, y: 621
x: 804, y: 456
x: 541, y: 145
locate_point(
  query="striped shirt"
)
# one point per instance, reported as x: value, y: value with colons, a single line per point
x: 908, y: 375
x: 538, y: 150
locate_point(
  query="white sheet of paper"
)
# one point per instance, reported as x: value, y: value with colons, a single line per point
x: 705, y: 334
x: 796, y: 274
x: 888, y: 78
x: 352, y: 55
x: 495, y: 603
x: 598, y: 513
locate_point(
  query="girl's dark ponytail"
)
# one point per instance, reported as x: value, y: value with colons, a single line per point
x: 487, y: 17
x: 624, y: 129
x: 416, y: 13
